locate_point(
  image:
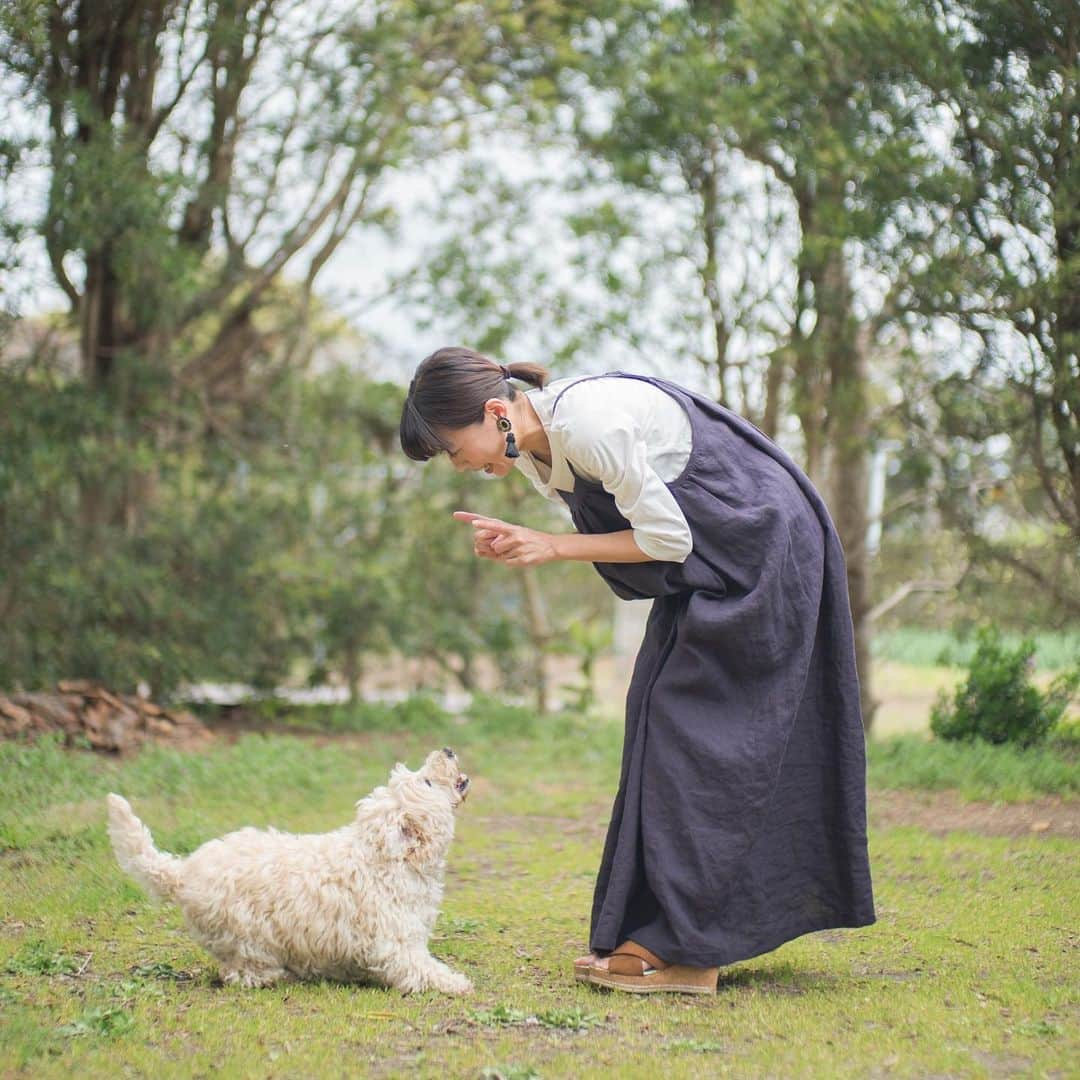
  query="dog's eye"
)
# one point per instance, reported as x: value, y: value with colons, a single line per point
x: 428, y: 782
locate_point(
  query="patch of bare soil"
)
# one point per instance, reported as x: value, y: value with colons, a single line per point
x: 941, y: 812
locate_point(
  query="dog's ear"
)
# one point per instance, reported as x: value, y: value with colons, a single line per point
x: 401, y: 836
x: 416, y: 840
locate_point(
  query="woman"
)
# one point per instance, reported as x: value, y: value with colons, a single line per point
x: 740, y: 818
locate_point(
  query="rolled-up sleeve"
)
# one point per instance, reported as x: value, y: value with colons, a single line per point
x: 613, y: 453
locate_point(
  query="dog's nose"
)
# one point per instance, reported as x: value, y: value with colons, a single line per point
x: 447, y: 751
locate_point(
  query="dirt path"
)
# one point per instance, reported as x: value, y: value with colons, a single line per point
x: 938, y: 812
x: 941, y: 812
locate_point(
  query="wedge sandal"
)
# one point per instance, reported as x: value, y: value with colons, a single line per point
x: 634, y: 968
x: 582, y: 968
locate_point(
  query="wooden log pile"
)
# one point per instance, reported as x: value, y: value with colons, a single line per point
x: 81, y: 709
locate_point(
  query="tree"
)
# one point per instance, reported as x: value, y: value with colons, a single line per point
x: 195, y: 151
x: 204, y: 161
x: 805, y: 104
x: 1002, y: 264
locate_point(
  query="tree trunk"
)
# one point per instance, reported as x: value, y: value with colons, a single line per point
x: 353, y: 670
x: 809, y: 386
x: 539, y: 635
x: 848, y: 489
x: 707, y: 181
x: 774, y: 388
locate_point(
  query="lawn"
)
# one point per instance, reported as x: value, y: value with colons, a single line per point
x: 970, y: 971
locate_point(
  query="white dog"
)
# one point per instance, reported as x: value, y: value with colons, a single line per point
x: 358, y: 903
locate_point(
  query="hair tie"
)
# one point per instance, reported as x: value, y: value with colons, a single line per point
x: 506, y: 373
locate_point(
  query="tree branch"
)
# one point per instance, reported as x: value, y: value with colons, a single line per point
x: 903, y: 592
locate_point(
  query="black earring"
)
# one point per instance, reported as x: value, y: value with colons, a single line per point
x: 504, y: 424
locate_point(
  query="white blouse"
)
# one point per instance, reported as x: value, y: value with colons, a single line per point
x: 631, y: 437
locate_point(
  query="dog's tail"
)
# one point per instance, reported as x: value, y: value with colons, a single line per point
x: 157, y: 872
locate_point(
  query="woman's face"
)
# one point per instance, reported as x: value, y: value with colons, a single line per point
x: 480, y: 447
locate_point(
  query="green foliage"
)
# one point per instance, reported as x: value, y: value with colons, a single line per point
x: 500, y: 1015
x: 586, y: 639
x: 977, y: 769
x: 306, y: 550
x: 108, y: 1021
x: 37, y: 957
x: 160, y: 969
x: 1001, y: 265
x: 997, y: 703
x: 571, y: 1019
x: 179, y: 499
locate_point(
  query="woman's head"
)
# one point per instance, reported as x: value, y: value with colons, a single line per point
x: 454, y: 402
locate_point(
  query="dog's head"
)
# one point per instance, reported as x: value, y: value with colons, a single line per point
x: 441, y: 771
x: 412, y: 816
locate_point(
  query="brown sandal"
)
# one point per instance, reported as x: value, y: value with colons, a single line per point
x: 633, y: 967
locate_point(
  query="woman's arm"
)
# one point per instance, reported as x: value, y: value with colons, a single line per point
x: 517, y: 545
x: 600, y: 547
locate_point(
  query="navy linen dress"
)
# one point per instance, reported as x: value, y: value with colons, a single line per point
x: 740, y: 818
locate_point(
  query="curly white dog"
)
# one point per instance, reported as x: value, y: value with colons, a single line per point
x: 358, y: 903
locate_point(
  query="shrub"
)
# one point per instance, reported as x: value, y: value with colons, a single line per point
x: 997, y: 703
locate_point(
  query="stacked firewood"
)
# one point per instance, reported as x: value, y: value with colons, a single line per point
x: 83, y: 710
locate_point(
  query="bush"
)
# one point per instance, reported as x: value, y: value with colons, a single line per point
x: 997, y: 703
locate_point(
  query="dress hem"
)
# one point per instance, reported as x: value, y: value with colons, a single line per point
x: 724, y: 957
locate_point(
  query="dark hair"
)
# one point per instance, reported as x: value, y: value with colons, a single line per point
x: 448, y: 392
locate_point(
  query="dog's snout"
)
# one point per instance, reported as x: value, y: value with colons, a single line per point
x: 448, y: 752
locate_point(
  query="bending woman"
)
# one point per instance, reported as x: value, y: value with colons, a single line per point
x: 740, y: 818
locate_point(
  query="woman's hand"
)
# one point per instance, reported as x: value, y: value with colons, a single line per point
x: 514, y: 545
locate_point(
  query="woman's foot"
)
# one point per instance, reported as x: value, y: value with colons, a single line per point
x: 584, y: 964
x: 591, y: 960
x: 633, y: 967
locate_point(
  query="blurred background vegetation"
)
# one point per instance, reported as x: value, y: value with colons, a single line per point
x: 858, y: 224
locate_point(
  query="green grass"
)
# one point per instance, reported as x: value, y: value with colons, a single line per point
x: 978, y: 770
x: 969, y: 971
x: 1054, y: 650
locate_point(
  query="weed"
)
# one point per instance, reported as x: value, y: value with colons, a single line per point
x: 500, y: 1015
x: 573, y: 1019
x: 160, y: 969
x: 38, y: 958
x: 108, y: 1021
x: 1040, y: 1027
x: 576, y: 1019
